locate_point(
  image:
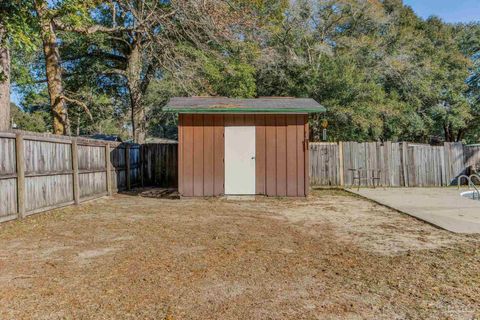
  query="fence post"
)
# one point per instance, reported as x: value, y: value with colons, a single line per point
x: 76, y: 182
x: 20, y: 160
x: 127, y: 165
x: 140, y: 150
x: 108, y: 167
x: 340, y: 163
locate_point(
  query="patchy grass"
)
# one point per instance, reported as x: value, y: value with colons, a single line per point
x: 329, y: 256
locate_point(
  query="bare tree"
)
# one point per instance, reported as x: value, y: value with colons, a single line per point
x: 142, y: 37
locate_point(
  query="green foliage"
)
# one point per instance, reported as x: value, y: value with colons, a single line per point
x: 381, y: 71
x: 29, y: 121
x: 161, y: 124
x: 228, y: 74
x: 19, y: 23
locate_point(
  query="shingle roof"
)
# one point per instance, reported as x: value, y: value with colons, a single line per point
x: 232, y: 105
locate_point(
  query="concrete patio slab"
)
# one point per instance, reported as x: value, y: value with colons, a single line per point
x: 442, y: 207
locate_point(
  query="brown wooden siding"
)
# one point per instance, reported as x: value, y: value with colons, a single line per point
x: 281, y: 156
x: 208, y: 155
x: 219, y: 146
x: 280, y: 153
x: 260, y: 165
x: 302, y: 129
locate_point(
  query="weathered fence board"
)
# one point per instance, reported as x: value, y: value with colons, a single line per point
x: 92, y: 171
x: 8, y: 199
x: 8, y: 183
x: 323, y: 164
x: 400, y: 163
x: 91, y: 157
x: 91, y: 184
x: 39, y: 172
x: 7, y: 156
x: 43, y: 156
x: 160, y: 164
x: 47, y: 191
x: 119, y: 168
x: 454, y: 161
x: 472, y: 155
x: 135, y: 179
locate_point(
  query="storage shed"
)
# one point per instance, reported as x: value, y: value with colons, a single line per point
x: 243, y: 146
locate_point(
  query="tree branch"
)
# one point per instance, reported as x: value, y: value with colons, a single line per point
x: 115, y: 72
x: 78, y: 103
x: 91, y: 29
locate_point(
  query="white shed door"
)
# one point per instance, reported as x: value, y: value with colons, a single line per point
x: 240, y: 160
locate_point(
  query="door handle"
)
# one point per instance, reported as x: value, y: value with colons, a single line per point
x: 252, y: 158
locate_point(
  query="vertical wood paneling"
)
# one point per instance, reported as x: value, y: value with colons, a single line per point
x: 188, y: 155
x: 108, y: 167
x: 323, y: 164
x: 281, y: 155
x: 306, y: 135
x: 300, y: 153
x: 7, y: 156
x: 118, y: 161
x: 401, y: 164
x: 208, y: 155
x: 291, y: 155
x: 472, y: 155
x: 92, y: 184
x: 76, y: 183
x: 21, y: 182
x: 45, y: 171
x: 219, y: 151
x: 270, y: 150
x: 198, y: 152
x: 41, y: 156
x: 134, y: 156
x: 180, y: 154
x: 260, y: 149
x: 278, y: 145
x: 8, y: 198
x: 47, y: 191
x: 91, y: 157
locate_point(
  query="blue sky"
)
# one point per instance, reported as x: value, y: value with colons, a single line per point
x: 449, y: 10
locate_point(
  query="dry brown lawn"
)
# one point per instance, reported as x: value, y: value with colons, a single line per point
x: 331, y: 256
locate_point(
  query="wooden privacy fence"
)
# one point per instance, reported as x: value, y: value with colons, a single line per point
x: 39, y: 172
x: 402, y: 164
x: 160, y: 164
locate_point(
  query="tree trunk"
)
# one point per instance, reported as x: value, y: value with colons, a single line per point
x: 4, y: 81
x: 53, y: 70
x: 460, y: 134
x: 134, y: 71
x: 448, y: 134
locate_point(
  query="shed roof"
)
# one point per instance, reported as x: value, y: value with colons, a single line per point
x: 232, y: 105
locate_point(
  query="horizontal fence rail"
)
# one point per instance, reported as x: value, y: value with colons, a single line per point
x: 395, y: 164
x: 39, y: 172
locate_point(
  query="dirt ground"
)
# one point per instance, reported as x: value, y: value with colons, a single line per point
x: 331, y: 256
